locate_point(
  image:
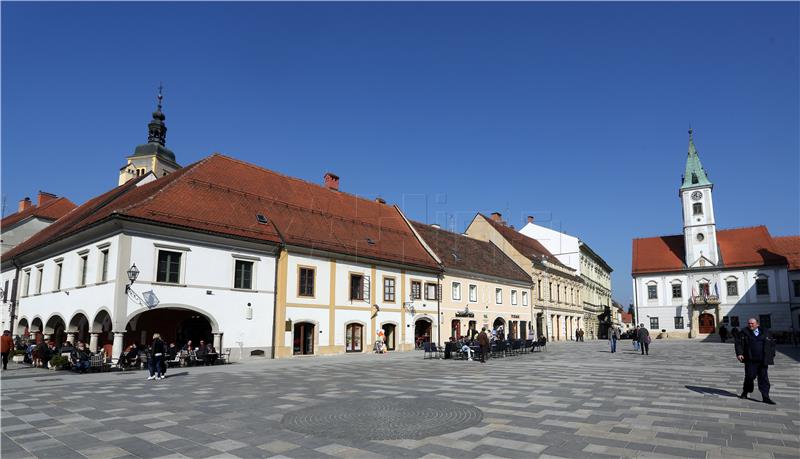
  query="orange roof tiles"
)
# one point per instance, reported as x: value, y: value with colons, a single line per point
x: 527, y: 246
x: 739, y: 247
x: 789, y: 247
x: 50, y: 210
x: 223, y: 195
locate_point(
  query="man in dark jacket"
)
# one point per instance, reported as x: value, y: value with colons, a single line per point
x: 483, y: 342
x: 755, y: 347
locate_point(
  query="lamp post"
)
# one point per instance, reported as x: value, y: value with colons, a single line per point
x: 133, y: 273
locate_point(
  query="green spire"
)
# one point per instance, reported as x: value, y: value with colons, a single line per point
x: 695, y: 175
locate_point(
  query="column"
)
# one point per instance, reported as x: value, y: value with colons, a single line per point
x: 45, y: 337
x: 73, y: 338
x: 93, y: 341
x: 116, y: 349
x: 218, y: 342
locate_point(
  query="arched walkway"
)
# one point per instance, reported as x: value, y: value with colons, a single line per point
x: 78, y: 328
x: 176, y: 325
x: 22, y: 328
x: 499, y: 325
x: 423, y: 329
x: 56, y: 329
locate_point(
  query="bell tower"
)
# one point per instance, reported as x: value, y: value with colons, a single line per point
x: 699, y: 226
x: 152, y: 156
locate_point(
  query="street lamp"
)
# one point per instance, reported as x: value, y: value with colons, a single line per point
x: 133, y: 273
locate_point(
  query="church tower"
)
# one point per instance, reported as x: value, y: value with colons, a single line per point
x: 152, y: 156
x: 699, y: 226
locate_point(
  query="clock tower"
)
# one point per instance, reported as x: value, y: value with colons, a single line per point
x: 699, y: 226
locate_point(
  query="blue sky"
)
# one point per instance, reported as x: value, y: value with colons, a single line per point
x: 575, y: 113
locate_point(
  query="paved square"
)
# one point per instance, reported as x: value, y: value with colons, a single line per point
x: 576, y: 400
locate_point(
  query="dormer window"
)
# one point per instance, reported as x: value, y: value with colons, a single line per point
x: 695, y: 180
x: 697, y: 208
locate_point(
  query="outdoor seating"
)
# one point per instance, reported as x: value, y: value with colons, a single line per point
x: 175, y: 361
x: 431, y: 351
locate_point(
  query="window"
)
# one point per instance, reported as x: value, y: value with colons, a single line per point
x: 39, y: 276
x: 305, y: 279
x: 524, y: 298
x: 498, y: 296
x: 540, y: 289
x: 734, y: 321
x: 356, y: 287
x: 431, y: 291
x: 84, y: 261
x: 697, y: 208
x: 678, y: 323
x: 550, y: 291
x: 26, y: 282
x: 103, y: 265
x: 733, y: 288
x: 652, y: 292
x: 473, y: 293
x: 353, y: 337
x: 514, y: 297
x: 558, y: 293
x: 704, y: 290
x: 243, y: 274
x: 169, y: 267
x: 796, y: 284
x: 676, y: 291
x: 765, y: 320
x: 59, y: 268
x: 388, y: 289
x: 762, y: 286
x: 456, y: 291
x: 5, y: 292
x: 654, y: 323
x: 416, y: 290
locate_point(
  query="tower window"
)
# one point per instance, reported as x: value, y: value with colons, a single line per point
x: 697, y: 208
x: 695, y: 180
x: 700, y: 237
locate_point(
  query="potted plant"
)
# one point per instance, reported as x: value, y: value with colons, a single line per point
x: 58, y: 362
x: 19, y: 356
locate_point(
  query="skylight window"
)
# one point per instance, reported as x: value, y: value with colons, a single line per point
x: 370, y: 241
x: 261, y: 219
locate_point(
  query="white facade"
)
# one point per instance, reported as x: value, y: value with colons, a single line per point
x: 699, y: 227
x: 674, y: 314
x: 82, y: 291
x: 563, y: 246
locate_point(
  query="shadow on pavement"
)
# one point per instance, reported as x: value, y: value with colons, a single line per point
x: 711, y: 391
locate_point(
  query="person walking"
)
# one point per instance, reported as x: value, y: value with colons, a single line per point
x: 635, y: 339
x: 755, y: 347
x: 155, y: 359
x: 644, y: 339
x: 723, y: 333
x: 613, y: 337
x: 483, y: 342
x: 6, y: 345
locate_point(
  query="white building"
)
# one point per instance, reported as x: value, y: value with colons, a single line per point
x: 691, y: 284
x: 590, y: 266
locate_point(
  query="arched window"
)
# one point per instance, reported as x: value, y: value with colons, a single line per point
x: 697, y: 208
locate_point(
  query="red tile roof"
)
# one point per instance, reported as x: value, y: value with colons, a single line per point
x: 739, y: 247
x: 525, y: 245
x: 223, y: 195
x: 50, y: 210
x: 461, y: 252
x: 789, y: 247
x: 627, y: 317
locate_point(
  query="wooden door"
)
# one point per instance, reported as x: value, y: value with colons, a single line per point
x: 706, y: 322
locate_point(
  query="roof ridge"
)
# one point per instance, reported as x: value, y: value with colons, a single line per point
x: 297, y: 179
x: 184, y: 171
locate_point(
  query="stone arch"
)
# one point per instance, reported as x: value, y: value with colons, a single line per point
x: 22, y: 327
x: 37, y: 325
x: 176, y: 323
x: 208, y: 315
x: 353, y: 343
x: 79, y: 325
x: 390, y: 329
x: 102, y: 316
x: 422, y: 332
x: 56, y: 327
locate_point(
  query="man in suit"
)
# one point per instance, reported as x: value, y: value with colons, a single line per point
x: 755, y: 347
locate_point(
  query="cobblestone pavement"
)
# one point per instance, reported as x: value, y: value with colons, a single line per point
x: 576, y: 400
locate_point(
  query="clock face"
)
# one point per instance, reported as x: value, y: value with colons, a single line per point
x: 697, y: 195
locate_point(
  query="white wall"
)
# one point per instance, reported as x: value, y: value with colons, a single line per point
x: 563, y: 246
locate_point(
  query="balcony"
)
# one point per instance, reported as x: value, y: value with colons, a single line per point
x: 711, y: 300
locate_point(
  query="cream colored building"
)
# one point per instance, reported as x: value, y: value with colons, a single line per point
x: 556, y: 291
x: 481, y: 286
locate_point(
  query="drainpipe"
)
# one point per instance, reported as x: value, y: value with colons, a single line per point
x: 15, y: 291
x: 439, y: 294
x: 275, y: 307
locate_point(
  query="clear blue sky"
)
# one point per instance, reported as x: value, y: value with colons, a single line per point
x: 576, y: 113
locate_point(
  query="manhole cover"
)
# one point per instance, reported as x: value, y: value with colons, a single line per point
x: 383, y: 419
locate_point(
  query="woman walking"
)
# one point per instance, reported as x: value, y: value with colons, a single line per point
x: 155, y: 360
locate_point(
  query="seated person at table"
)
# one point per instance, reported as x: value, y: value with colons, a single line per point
x: 130, y: 357
x: 81, y: 358
x: 172, y: 351
x: 188, y: 346
x: 200, y: 354
x: 211, y: 354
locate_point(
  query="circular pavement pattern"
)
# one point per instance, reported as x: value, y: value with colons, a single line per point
x: 384, y: 418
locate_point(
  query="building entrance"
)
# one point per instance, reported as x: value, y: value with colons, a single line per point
x: 303, y: 342
x: 706, y: 322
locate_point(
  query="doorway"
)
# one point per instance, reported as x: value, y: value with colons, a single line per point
x: 422, y: 332
x: 354, y: 334
x: 388, y: 333
x: 303, y: 338
x: 455, y: 329
x: 706, y: 322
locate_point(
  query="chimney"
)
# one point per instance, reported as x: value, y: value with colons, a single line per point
x: 380, y: 200
x: 44, y: 197
x: 434, y: 225
x: 530, y: 219
x: 331, y: 181
x: 497, y: 217
x: 512, y: 227
x: 24, y: 204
